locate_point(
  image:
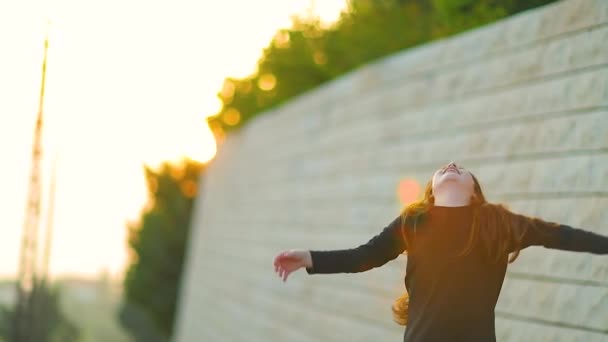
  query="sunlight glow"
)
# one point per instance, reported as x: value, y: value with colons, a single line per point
x: 408, y: 191
x: 267, y: 82
x: 232, y: 116
x: 128, y: 82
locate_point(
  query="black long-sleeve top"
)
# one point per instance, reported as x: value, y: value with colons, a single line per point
x: 450, y: 298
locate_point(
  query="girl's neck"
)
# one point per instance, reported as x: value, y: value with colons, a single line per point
x: 452, y: 199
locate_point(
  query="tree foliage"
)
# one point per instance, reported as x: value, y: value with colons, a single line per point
x: 157, y: 245
x: 49, y: 323
x: 307, y: 54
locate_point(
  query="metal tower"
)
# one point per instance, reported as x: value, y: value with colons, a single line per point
x: 26, y: 304
x: 46, y: 258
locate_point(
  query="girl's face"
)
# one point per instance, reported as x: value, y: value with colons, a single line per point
x: 452, y: 177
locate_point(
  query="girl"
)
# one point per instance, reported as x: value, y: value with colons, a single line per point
x: 458, y: 248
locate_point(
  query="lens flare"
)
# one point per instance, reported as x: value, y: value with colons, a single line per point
x: 408, y: 190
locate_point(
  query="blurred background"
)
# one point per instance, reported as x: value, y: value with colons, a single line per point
x: 157, y: 155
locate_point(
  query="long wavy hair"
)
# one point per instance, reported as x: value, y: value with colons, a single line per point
x: 501, y: 231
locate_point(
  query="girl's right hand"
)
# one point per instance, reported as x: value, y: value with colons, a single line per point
x: 291, y: 260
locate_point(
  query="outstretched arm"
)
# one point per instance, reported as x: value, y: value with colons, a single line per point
x: 555, y: 235
x: 379, y: 250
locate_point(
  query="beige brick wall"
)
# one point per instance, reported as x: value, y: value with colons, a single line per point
x: 523, y: 103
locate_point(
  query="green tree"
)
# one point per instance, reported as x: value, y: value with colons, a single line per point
x: 307, y: 55
x: 157, y: 245
x: 49, y: 322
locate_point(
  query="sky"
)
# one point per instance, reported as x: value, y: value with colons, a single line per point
x: 128, y: 83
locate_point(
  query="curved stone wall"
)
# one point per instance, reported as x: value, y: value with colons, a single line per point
x: 523, y: 103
